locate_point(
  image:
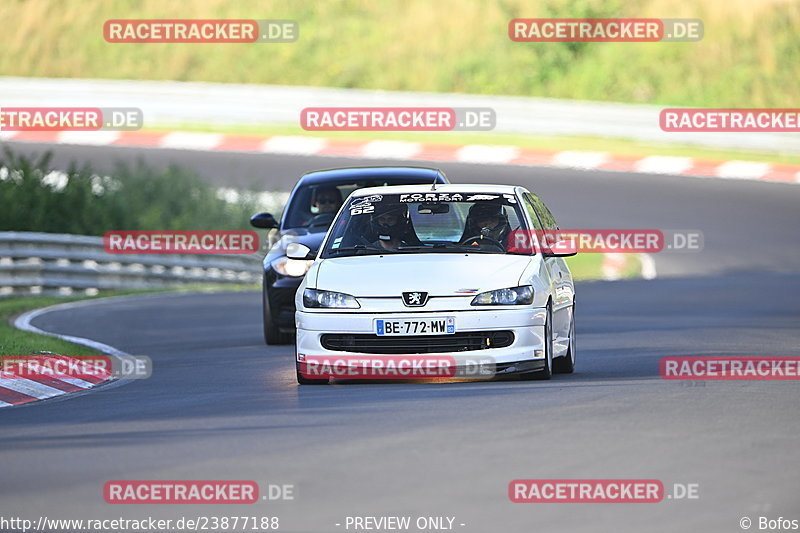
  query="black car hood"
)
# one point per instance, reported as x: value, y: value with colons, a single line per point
x: 312, y: 240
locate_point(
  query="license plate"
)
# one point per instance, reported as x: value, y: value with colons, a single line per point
x: 416, y: 326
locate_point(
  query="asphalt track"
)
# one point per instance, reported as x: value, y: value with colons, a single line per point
x: 221, y: 405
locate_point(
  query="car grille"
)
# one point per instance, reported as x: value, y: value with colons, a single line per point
x: 379, y: 344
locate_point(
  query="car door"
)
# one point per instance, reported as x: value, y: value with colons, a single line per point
x: 560, y: 277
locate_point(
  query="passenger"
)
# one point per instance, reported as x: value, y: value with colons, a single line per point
x: 486, y: 220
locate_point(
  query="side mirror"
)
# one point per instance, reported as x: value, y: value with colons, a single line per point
x: 563, y: 247
x: 557, y: 243
x: 559, y: 254
x: 295, y: 250
x: 264, y: 221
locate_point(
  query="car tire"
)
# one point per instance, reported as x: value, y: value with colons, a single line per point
x: 566, y: 364
x: 547, y: 371
x: 273, y: 336
x: 308, y: 381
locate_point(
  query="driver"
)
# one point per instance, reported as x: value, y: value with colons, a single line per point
x: 326, y: 200
x: 489, y: 220
x: 391, y: 226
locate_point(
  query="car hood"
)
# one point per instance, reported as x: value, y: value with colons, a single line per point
x: 439, y: 274
x: 312, y: 240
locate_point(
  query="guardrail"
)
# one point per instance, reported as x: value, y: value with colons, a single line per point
x: 171, y: 103
x: 53, y: 263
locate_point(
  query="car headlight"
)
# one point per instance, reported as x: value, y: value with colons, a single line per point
x: 329, y: 299
x: 291, y: 267
x: 511, y: 296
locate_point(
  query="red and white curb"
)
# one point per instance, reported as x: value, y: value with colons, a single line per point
x: 20, y: 391
x: 615, y: 264
x: 406, y: 150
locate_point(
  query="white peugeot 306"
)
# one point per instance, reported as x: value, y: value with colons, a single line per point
x: 432, y: 281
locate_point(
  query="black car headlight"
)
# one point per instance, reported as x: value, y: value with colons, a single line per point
x: 295, y: 268
x: 329, y: 299
x: 511, y: 296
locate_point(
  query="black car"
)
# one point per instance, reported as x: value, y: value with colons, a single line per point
x: 311, y: 208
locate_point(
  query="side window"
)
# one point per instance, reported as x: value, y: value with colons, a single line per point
x: 537, y: 224
x: 545, y: 216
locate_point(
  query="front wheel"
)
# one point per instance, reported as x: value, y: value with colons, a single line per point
x: 566, y: 364
x: 273, y: 335
x: 547, y: 371
x: 308, y: 381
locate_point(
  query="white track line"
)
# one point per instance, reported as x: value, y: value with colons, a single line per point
x: 191, y: 140
x: 391, y: 150
x: 288, y: 144
x: 23, y: 322
x: 662, y: 164
x: 93, y: 138
x: 487, y: 154
x: 580, y: 159
x: 742, y: 170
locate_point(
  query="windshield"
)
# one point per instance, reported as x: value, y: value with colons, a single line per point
x: 313, y: 207
x: 427, y: 223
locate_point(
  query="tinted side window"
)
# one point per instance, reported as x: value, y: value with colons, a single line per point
x: 532, y: 212
x: 545, y: 216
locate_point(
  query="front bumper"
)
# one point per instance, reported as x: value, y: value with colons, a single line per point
x: 526, y: 323
x: 280, y: 290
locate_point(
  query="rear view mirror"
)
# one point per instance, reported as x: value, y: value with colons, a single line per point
x: 264, y: 221
x: 433, y: 209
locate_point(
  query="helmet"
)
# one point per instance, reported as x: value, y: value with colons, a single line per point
x: 380, y: 225
x: 481, y: 211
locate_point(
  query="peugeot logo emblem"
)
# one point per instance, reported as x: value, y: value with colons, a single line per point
x: 415, y: 299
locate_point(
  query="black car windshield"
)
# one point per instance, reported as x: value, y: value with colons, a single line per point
x: 313, y: 207
x: 433, y: 222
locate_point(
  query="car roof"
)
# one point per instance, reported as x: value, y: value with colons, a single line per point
x: 401, y: 173
x: 449, y: 187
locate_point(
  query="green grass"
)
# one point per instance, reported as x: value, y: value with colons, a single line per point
x: 749, y: 56
x: 588, y: 267
x: 17, y: 342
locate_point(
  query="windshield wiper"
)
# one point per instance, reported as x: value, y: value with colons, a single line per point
x: 356, y: 248
x: 437, y: 246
